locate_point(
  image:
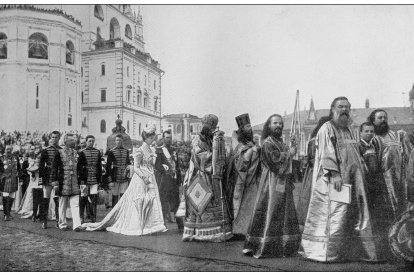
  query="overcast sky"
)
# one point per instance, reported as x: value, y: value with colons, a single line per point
x: 229, y: 60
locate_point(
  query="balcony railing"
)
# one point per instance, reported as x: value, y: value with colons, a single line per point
x: 118, y: 43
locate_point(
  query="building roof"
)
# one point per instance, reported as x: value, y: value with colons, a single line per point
x: 179, y: 116
x: 396, y: 116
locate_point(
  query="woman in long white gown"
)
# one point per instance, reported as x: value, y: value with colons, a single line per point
x: 138, y: 212
x: 25, y: 209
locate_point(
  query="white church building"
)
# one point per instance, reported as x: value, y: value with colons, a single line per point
x: 77, y: 68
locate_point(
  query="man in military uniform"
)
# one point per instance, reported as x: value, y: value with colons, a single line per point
x: 90, y: 162
x: 9, y: 172
x: 168, y: 178
x: 66, y: 171
x: 118, y: 160
x: 46, y: 174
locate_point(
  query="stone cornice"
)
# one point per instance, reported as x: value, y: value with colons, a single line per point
x: 38, y: 21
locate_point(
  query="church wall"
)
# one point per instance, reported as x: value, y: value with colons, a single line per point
x: 36, y: 90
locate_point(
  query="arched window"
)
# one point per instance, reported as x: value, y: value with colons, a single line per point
x: 3, y: 46
x: 82, y: 97
x: 127, y: 126
x: 69, y: 120
x: 38, y: 46
x: 70, y: 52
x: 129, y: 95
x: 114, y: 29
x: 99, y: 12
x: 70, y: 104
x: 128, y: 32
x: 178, y: 129
x: 103, y: 126
x: 139, y: 98
x: 103, y: 69
x: 191, y: 129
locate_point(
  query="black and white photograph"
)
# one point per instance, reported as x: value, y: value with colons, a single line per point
x: 206, y: 137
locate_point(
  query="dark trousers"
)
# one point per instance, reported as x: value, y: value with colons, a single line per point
x: 169, y: 194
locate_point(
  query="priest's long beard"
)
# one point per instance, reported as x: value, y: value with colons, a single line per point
x: 382, y: 128
x: 342, y: 119
x: 277, y: 133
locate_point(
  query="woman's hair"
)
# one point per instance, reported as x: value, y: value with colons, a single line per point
x: 146, y: 135
x: 266, y: 127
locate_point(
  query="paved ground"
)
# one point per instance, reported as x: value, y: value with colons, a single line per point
x: 24, y: 246
x: 27, y: 251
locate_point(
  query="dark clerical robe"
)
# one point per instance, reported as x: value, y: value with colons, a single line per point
x: 339, y: 231
x: 274, y: 229
x: 246, y: 169
x: 392, y: 164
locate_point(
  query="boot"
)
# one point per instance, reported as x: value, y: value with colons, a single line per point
x: 180, y: 223
x: 11, y: 200
x: 82, y: 204
x: 44, y: 206
x: 37, y: 196
x: 89, y: 210
x: 56, y: 200
x: 114, y: 200
x: 6, y: 208
x: 94, y: 199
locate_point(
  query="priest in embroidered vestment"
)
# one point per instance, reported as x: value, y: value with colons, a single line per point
x: 339, y: 231
x: 273, y: 230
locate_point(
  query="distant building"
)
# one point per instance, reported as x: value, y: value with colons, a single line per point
x: 183, y: 126
x: 40, y: 69
x: 399, y: 118
x: 76, y: 68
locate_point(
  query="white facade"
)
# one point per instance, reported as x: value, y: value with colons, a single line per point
x: 132, y: 79
x: 118, y: 77
x: 39, y: 90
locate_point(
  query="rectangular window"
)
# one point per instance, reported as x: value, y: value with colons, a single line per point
x: 127, y: 71
x: 37, y: 96
x: 102, y: 69
x: 69, y: 104
x: 103, y: 95
x: 69, y: 120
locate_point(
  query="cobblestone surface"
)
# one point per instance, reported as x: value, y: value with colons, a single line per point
x: 25, y: 251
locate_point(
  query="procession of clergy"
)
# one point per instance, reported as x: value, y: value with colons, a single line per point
x: 352, y: 190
